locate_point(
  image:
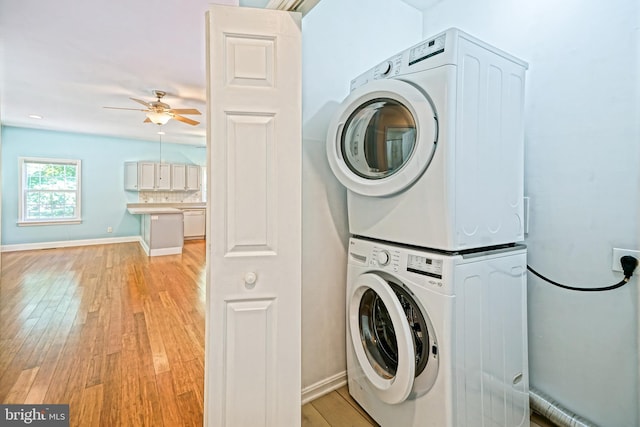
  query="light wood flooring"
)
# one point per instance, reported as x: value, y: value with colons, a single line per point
x: 115, y: 334
x: 338, y: 409
x: 119, y: 337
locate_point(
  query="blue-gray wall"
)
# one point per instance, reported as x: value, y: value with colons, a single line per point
x: 103, y: 197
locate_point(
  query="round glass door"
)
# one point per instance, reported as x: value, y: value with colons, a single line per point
x: 378, y: 138
x: 378, y: 335
x: 382, y: 338
x: 382, y: 138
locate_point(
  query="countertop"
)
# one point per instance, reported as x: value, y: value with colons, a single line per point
x: 149, y: 210
x: 192, y: 205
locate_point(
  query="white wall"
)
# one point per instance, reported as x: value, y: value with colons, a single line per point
x: 582, y: 174
x: 340, y: 40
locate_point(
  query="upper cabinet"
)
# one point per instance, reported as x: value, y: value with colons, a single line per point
x: 163, y: 176
x: 178, y: 177
x: 193, y: 178
x: 152, y: 176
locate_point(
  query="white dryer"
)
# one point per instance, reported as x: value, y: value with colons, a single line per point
x: 429, y: 145
x: 437, y: 340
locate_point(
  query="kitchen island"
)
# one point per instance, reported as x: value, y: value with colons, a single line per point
x: 161, y: 229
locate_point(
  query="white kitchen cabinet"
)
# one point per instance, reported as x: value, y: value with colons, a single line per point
x: 147, y: 176
x: 178, y: 177
x: 193, y: 178
x: 163, y: 176
x: 139, y: 176
x: 194, y: 223
x: 131, y: 176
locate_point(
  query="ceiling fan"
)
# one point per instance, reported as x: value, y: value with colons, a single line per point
x: 160, y: 113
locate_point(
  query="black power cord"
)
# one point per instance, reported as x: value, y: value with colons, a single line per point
x: 628, y: 263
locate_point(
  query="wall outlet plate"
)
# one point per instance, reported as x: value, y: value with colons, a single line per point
x: 619, y: 253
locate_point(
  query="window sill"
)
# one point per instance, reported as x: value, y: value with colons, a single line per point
x: 49, y: 222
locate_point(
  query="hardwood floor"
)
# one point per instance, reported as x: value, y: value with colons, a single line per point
x: 115, y: 334
x: 119, y: 337
x: 338, y: 409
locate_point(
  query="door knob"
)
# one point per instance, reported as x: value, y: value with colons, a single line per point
x: 250, y: 278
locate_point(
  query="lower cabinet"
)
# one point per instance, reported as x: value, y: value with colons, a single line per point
x: 194, y: 224
x: 162, y: 233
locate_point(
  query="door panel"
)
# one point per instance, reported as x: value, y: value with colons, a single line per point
x: 249, y: 357
x: 251, y: 211
x: 252, y: 370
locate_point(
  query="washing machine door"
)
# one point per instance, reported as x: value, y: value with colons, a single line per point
x: 382, y: 138
x: 381, y: 338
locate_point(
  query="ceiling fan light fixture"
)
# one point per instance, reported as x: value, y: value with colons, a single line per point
x: 158, y: 118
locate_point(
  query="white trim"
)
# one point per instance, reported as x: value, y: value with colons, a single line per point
x: 68, y: 243
x: 144, y: 245
x: 323, y: 387
x: 77, y: 219
x: 159, y: 252
x: 52, y: 222
x: 166, y: 251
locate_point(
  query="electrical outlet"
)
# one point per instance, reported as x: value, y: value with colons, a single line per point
x: 619, y: 253
x: 109, y: 229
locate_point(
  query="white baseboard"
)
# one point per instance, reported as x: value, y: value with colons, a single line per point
x: 68, y: 243
x: 144, y: 245
x: 166, y: 251
x: 323, y: 387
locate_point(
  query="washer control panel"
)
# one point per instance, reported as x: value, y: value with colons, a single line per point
x: 385, y: 258
x: 425, y: 266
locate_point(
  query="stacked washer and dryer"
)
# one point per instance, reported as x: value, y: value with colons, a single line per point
x: 429, y: 145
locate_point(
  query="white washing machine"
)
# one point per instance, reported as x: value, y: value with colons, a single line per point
x: 429, y: 145
x: 437, y: 340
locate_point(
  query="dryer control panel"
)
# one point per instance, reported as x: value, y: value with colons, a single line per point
x: 427, y: 49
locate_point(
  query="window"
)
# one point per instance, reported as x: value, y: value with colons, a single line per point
x: 49, y: 191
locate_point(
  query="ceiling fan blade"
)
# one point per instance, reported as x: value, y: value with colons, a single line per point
x: 185, y: 120
x: 140, y: 101
x: 185, y: 111
x: 120, y: 108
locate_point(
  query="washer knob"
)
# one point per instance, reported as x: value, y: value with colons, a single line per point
x: 383, y: 257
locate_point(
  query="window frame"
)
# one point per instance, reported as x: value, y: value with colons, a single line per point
x: 22, y: 191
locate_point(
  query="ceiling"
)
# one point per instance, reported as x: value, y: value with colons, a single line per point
x: 66, y: 60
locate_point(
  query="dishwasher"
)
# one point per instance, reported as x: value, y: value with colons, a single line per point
x: 194, y: 224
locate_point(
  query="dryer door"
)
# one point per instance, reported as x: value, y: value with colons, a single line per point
x: 381, y: 338
x: 382, y: 138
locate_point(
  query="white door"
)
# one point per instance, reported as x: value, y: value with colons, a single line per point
x: 252, y: 370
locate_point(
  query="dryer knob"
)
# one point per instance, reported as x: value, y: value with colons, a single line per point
x: 383, y: 257
x: 386, y: 68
